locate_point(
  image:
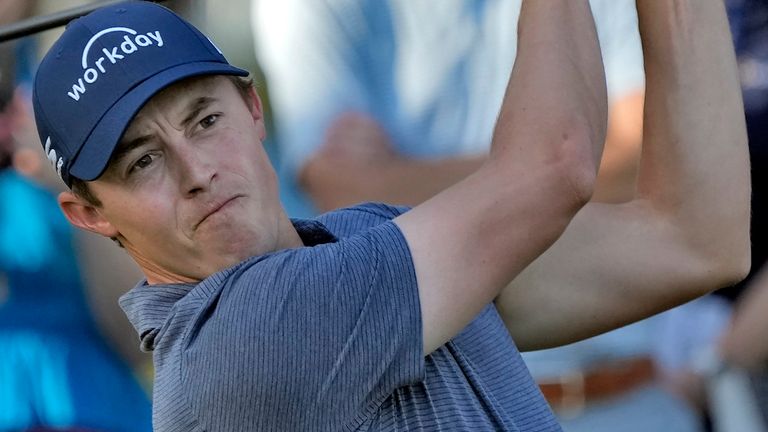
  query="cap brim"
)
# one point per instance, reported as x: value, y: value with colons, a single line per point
x: 92, y: 160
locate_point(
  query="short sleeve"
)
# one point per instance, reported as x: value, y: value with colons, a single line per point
x: 310, y: 339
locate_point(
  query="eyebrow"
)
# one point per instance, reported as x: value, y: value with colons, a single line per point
x: 195, y: 107
x: 125, y: 147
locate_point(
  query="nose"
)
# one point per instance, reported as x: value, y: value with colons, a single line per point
x: 195, y: 170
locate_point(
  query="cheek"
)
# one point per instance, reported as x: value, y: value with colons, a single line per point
x: 144, y: 218
x: 246, y: 156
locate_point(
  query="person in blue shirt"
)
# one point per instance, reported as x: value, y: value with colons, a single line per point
x: 377, y: 317
x: 56, y: 369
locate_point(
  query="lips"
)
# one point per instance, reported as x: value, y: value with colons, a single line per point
x: 215, y: 207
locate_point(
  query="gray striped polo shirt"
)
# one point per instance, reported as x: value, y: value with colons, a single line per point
x: 326, y: 337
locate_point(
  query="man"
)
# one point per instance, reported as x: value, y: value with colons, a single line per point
x: 374, y: 317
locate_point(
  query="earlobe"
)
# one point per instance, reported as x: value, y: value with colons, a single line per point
x: 84, y: 215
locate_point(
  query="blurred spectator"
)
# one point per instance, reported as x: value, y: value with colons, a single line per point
x: 56, y: 370
x: 749, y: 25
x: 744, y: 344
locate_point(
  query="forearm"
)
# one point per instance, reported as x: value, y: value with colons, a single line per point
x: 694, y: 166
x: 556, y: 95
x: 334, y: 183
x: 687, y: 232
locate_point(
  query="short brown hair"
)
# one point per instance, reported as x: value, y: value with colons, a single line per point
x: 80, y: 188
x: 243, y: 85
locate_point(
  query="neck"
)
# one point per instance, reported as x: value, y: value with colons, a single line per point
x: 286, y: 238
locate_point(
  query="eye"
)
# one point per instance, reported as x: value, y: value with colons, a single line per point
x: 141, y: 163
x: 209, y: 121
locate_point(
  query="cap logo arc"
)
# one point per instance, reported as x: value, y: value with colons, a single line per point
x: 129, y: 45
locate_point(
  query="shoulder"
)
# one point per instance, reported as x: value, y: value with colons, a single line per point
x: 292, y: 333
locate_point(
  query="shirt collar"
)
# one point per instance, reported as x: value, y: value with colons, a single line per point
x: 148, y: 306
x: 312, y: 232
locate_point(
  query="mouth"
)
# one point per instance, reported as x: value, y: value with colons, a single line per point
x: 216, y: 209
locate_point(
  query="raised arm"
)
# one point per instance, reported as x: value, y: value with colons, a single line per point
x: 688, y: 231
x: 469, y: 241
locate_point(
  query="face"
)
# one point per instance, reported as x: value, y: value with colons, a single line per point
x: 190, y: 190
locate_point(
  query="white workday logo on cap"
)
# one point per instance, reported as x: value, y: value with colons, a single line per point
x: 132, y: 42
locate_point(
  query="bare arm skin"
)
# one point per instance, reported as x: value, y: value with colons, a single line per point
x: 687, y: 232
x: 470, y: 240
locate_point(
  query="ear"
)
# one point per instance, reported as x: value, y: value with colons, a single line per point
x: 257, y: 112
x: 82, y: 214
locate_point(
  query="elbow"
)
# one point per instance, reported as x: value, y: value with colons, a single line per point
x: 730, y: 250
x: 743, y: 270
x: 727, y: 266
x: 735, y: 268
x: 579, y: 181
x: 565, y: 183
x: 560, y: 153
x: 576, y: 165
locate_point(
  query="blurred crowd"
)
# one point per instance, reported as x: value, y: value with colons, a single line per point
x: 392, y: 101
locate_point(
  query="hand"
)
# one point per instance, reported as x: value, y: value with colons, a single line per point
x: 358, y: 138
x: 358, y: 162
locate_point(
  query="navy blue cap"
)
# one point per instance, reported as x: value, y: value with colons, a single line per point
x: 100, y: 73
